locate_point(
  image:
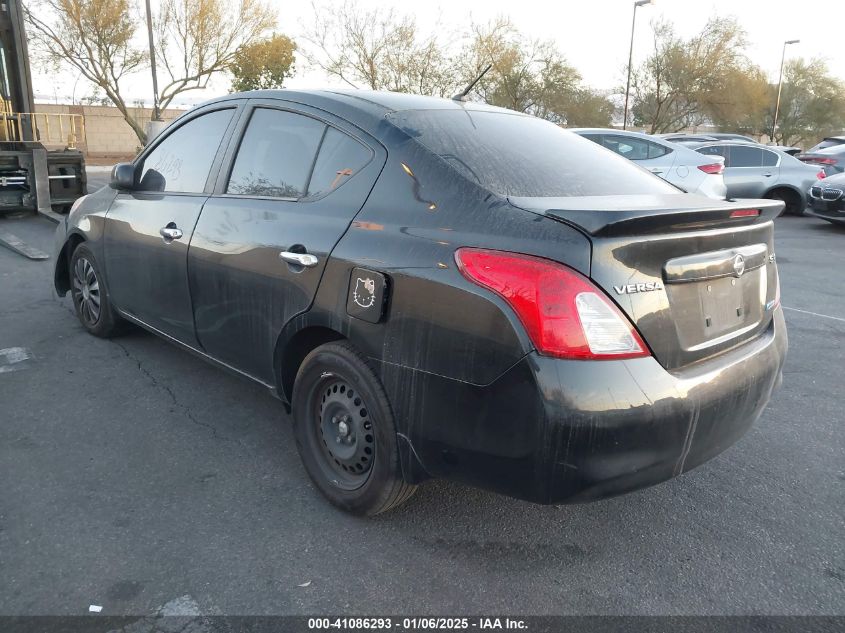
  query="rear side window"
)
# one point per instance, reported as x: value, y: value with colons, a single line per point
x: 516, y: 155
x: 634, y: 148
x: 770, y: 159
x: 276, y: 154
x: 339, y: 159
x: 713, y: 150
x: 745, y: 156
x: 182, y: 160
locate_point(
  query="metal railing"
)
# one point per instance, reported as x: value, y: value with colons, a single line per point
x: 59, y: 128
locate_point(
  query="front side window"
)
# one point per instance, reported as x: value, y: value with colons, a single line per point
x: 276, y: 154
x: 182, y: 160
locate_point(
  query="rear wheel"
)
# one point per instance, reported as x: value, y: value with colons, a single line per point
x: 345, y: 433
x: 791, y: 199
x: 90, y: 296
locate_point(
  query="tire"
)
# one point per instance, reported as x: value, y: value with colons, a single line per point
x: 90, y: 295
x: 791, y: 199
x: 344, y: 430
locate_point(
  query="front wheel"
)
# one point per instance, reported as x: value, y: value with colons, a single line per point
x: 90, y: 296
x: 344, y: 430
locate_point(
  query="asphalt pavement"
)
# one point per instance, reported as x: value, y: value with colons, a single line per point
x: 133, y: 476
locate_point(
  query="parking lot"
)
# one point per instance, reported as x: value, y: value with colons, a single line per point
x: 136, y: 476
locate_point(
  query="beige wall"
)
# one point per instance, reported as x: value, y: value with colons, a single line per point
x: 107, y: 134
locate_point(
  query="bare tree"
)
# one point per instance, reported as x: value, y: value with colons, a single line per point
x: 377, y: 49
x: 95, y: 38
x: 198, y: 38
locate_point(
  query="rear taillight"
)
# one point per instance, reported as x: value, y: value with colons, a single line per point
x: 745, y: 213
x: 714, y: 168
x: 821, y: 175
x: 820, y: 161
x: 565, y: 315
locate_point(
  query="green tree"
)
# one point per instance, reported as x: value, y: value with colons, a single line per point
x: 744, y: 102
x: 676, y: 86
x: 812, y: 103
x: 264, y: 64
x: 530, y: 76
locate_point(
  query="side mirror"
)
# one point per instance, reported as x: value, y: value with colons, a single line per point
x: 123, y: 176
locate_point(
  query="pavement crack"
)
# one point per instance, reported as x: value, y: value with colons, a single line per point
x: 158, y: 384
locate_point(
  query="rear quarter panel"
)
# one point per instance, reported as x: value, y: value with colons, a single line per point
x: 418, y: 214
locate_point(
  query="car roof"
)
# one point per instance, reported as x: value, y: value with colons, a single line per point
x: 611, y: 130
x: 364, y: 108
x: 729, y: 141
x: 373, y: 101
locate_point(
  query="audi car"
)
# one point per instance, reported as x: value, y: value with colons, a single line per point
x: 437, y: 288
x: 827, y: 199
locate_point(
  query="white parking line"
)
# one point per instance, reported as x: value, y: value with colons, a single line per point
x: 10, y: 358
x: 824, y: 316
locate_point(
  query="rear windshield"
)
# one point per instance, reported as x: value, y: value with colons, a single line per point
x: 515, y: 155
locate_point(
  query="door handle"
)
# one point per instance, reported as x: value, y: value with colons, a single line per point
x: 300, y: 259
x: 768, y: 174
x: 170, y: 232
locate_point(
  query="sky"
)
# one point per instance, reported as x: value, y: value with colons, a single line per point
x: 594, y: 35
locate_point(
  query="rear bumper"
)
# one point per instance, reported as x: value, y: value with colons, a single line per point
x: 633, y: 424
x: 557, y: 431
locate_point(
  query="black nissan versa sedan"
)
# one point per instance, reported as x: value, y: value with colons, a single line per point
x: 440, y: 289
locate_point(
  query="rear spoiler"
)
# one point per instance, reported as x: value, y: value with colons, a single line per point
x: 643, y: 214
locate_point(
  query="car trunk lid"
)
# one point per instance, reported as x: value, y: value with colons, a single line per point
x: 695, y: 276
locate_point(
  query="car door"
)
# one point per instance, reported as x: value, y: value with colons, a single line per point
x: 148, y: 229
x: 294, y: 182
x: 745, y: 174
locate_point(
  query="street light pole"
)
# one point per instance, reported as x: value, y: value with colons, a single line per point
x: 156, y: 113
x: 780, y: 85
x: 637, y: 4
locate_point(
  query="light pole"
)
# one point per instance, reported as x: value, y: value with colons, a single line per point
x: 156, y: 113
x: 780, y: 85
x: 638, y: 3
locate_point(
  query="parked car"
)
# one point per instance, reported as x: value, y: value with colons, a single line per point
x: 831, y: 159
x: 684, y: 137
x: 787, y: 149
x: 440, y: 289
x: 680, y: 165
x: 827, y: 199
x: 828, y: 141
x: 755, y: 171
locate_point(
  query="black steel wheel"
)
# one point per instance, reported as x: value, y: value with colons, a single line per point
x: 90, y: 295
x: 344, y: 430
x: 343, y: 426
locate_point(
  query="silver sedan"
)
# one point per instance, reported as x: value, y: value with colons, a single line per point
x: 683, y: 167
x: 756, y: 171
